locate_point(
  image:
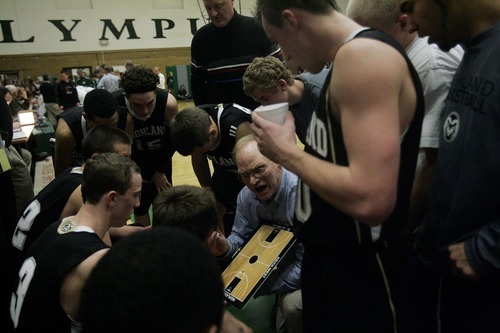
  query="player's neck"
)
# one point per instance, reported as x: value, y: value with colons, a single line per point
x: 93, y: 216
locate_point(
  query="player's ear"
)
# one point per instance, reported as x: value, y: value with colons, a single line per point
x: 212, y: 130
x: 282, y: 85
x: 211, y: 239
x: 402, y: 22
x: 289, y: 18
x: 111, y: 198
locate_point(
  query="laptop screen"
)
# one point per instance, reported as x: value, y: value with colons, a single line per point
x: 26, y: 117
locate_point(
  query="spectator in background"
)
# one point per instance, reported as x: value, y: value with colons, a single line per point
x: 14, y: 104
x: 19, y: 159
x: 220, y: 52
x: 99, y: 72
x: 182, y: 93
x: 83, y: 80
x: 109, y: 80
x: 95, y: 77
x: 66, y: 92
x: 129, y: 65
x: 161, y: 78
x: 48, y: 91
x: 170, y: 82
x: 22, y: 97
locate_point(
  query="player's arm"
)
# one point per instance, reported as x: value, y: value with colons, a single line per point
x: 74, y: 203
x: 65, y: 144
x: 201, y: 169
x: 243, y: 129
x: 366, y: 92
x: 171, y: 108
x: 117, y: 233
x: 159, y: 178
x: 73, y: 283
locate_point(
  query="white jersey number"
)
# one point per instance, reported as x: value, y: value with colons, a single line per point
x: 24, y: 224
x: 303, y: 205
x: 26, y: 273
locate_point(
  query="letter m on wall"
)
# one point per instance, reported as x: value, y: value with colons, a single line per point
x: 128, y: 24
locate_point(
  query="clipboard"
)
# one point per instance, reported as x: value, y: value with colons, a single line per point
x: 254, y: 261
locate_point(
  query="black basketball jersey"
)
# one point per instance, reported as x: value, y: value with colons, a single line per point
x: 227, y: 117
x: 325, y: 225
x: 43, y: 210
x: 152, y: 147
x: 73, y: 117
x: 35, y: 303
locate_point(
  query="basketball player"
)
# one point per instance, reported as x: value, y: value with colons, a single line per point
x: 193, y: 209
x: 73, y: 125
x: 62, y: 196
x: 209, y: 132
x: 58, y: 264
x: 358, y: 165
x: 149, y: 111
x: 177, y: 289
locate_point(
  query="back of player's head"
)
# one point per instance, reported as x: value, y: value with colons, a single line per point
x: 102, y: 139
x: 186, y: 207
x: 189, y: 129
x: 139, y: 79
x: 272, y: 9
x: 99, y: 103
x: 107, y: 172
x: 382, y: 15
x: 155, y: 281
x: 264, y: 73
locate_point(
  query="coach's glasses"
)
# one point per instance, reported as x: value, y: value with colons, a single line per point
x: 257, y: 172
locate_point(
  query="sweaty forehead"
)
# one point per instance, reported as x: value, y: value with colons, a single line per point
x: 142, y: 98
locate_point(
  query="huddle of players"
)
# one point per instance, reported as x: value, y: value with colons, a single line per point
x: 132, y: 123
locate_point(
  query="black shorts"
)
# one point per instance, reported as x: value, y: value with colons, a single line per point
x: 345, y: 293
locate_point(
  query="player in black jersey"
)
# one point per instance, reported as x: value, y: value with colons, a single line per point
x: 58, y: 264
x: 166, y: 291
x: 99, y: 108
x: 62, y: 196
x: 358, y: 165
x: 209, y: 132
x: 149, y: 111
